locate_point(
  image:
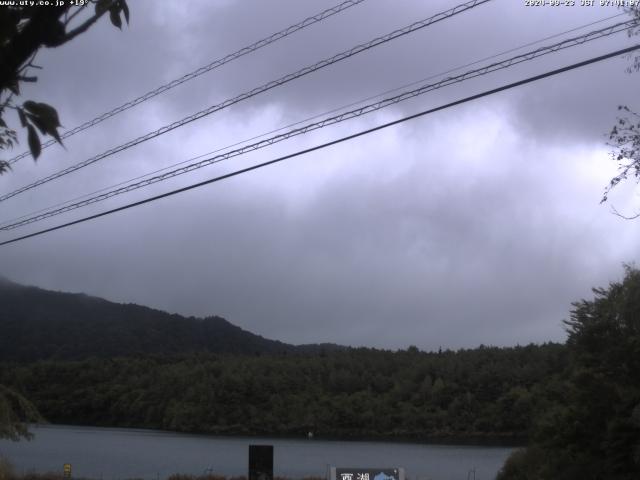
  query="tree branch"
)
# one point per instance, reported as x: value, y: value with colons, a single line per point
x: 618, y: 214
x: 17, y: 52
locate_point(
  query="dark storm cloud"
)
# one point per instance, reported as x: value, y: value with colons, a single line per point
x: 171, y: 41
x: 476, y: 225
x: 470, y: 36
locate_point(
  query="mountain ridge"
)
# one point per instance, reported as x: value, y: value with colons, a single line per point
x: 40, y: 324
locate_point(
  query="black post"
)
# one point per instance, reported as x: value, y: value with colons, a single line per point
x: 260, y: 462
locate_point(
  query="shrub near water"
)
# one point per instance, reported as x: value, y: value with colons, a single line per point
x: 7, y: 472
x: 182, y: 476
x: 6, y: 469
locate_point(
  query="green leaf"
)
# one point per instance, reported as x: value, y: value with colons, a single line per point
x: 43, y: 111
x: 125, y: 10
x: 114, y: 15
x: 38, y: 123
x: 44, y: 117
x: 44, y: 127
x: 54, y: 133
x: 102, y: 6
x: 34, y: 142
x: 4, y: 166
x: 23, y: 118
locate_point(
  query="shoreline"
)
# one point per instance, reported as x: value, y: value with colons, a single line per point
x: 472, y: 440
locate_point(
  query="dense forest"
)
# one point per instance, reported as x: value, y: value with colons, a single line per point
x: 485, y: 393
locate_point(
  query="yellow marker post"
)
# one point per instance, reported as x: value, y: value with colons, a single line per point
x: 66, y: 470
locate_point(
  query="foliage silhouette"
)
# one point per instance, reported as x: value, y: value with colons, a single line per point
x: 24, y: 29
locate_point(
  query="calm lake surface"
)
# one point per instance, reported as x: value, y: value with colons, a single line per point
x: 112, y: 453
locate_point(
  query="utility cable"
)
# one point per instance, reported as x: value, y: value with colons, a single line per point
x: 333, y: 142
x: 568, y: 43
x: 267, y: 86
x: 298, y: 122
x: 202, y: 70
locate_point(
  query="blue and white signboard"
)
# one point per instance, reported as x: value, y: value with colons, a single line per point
x: 340, y: 473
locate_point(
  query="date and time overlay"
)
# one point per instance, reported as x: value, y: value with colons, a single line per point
x: 582, y: 3
x: 527, y: 3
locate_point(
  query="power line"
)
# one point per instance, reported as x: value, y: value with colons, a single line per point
x: 568, y: 43
x: 333, y: 142
x: 202, y: 70
x: 328, y: 112
x: 332, y: 120
x: 313, y: 117
x: 263, y: 88
x: 475, y: 62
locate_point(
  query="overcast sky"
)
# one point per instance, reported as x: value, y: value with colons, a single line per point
x: 479, y: 224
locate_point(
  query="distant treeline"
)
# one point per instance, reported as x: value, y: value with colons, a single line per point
x: 485, y: 393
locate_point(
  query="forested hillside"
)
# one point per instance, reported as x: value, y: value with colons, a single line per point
x: 84, y: 360
x: 38, y: 324
x: 480, y: 394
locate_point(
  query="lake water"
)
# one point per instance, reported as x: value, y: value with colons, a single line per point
x: 112, y: 453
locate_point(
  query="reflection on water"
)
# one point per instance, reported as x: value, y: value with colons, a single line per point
x: 111, y: 454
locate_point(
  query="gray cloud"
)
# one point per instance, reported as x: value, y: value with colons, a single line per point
x: 479, y: 224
